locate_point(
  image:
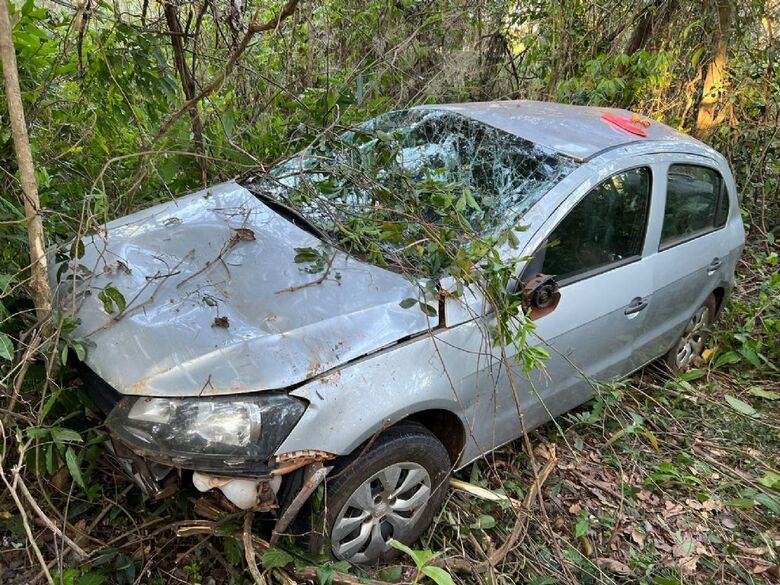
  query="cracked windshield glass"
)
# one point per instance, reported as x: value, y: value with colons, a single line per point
x: 394, y: 189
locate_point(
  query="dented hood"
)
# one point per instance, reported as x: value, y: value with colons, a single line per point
x: 216, y: 304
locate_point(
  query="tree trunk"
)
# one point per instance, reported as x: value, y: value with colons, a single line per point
x: 39, y: 283
x: 653, y: 18
x: 187, y: 82
x: 716, y: 79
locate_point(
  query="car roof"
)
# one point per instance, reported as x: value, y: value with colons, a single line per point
x: 579, y: 132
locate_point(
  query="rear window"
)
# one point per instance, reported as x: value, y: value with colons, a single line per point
x: 696, y: 202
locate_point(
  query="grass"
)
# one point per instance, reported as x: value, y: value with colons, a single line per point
x: 660, y: 479
x: 665, y: 483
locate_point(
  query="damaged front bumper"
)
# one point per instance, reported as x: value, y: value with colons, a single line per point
x: 226, y: 442
x: 258, y: 492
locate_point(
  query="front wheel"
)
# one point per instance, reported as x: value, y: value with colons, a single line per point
x: 392, y: 490
x: 694, y: 337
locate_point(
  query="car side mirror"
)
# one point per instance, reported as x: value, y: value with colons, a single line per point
x: 541, y: 295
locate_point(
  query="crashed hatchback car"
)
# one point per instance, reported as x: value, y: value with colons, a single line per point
x: 238, y: 339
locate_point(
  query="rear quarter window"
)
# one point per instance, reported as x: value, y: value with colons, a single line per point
x: 696, y: 202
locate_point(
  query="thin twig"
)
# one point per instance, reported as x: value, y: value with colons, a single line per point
x: 249, y: 549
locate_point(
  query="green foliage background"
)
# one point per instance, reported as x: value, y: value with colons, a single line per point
x: 99, y: 81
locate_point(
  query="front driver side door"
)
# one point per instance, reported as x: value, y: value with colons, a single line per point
x: 595, y: 251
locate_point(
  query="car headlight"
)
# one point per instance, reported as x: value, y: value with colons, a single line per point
x: 237, y: 433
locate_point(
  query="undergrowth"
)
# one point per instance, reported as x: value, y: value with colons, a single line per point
x: 660, y: 479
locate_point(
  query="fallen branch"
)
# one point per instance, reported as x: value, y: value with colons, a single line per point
x: 249, y: 549
x: 79, y: 552
x: 518, y: 529
x: 483, y: 493
x: 27, y: 529
x: 254, y: 545
x: 316, y: 282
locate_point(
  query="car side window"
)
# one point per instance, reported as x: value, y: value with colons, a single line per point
x: 696, y: 202
x: 606, y: 227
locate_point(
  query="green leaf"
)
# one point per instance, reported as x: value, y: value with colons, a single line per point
x: 730, y: 357
x: 77, y: 249
x: 692, y: 375
x: 111, y: 296
x: 391, y: 574
x: 6, y: 347
x: 438, y: 575
x: 47, y: 406
x: 770, y: 503
x: 750, y: 355
x: 581, y: 527
x: 697, y: 56
x: 60, y: 435
x: 741, y: 503
x: 666, y: 581
x: 485, y: 522
x: 324, y: 575
x: 401, y: 546
x: 770, y: 480
x: 420, y: 557
x: 79, y: 348
x: 428, y: 309
x: 740, y: 406
x: 341, y: 566
x: 71, y: 460
x: 761, y: 393
x: 5, y: 280
x: 306, y: 255
x: 408, y: 303
x: 92, y: 578
x: 124, y: 568
x: 276, y: 558
x: 68, y: 577
x: 117, y: 297
x: 233, y: 550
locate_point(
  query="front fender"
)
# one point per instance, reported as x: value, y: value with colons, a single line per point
x: 349, y: 405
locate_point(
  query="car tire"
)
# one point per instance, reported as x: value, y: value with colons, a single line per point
x: 391, y: 488
x: 694, y: 337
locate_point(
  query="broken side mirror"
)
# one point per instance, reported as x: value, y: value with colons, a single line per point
x: 541, y: 295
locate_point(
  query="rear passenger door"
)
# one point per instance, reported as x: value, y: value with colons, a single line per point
x: 690, y: 254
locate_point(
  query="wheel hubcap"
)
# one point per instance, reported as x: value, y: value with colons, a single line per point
x: 692, y: 340
x: 387, y: 505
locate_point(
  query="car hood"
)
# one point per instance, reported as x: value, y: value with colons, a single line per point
x: 216, y: 303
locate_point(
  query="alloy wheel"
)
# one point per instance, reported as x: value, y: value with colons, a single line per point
x: 693, y: 338
x: 387, y: 505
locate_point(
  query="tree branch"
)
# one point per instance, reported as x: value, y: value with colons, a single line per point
x: 217, y: 82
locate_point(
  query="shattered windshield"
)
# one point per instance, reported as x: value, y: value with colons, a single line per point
x: 386, y: 188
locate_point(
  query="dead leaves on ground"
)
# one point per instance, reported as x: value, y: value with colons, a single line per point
x: 689, y: 531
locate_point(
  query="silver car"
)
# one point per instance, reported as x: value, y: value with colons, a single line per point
x: 230, y: 341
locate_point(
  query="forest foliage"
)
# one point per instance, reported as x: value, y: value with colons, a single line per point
x: 129, y: 103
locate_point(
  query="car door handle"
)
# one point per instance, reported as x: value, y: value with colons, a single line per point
x: 714, y: 265
x: 635, y: 306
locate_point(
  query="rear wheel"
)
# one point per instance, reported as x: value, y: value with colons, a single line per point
x: 392, y: 490
x: 694, y: 337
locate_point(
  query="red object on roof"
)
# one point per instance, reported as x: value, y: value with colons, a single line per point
x: 626, y: 124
